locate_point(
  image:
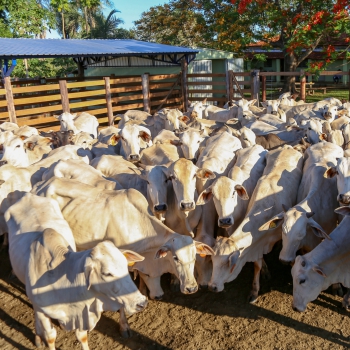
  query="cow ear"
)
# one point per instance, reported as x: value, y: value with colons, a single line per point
x: 252, y: 102
x: 319, y: 270
x: 323, y: 137
x: 241, y: 191
x: 331, y: 172
x: 203, y: 249
x: 175, y: 142
x: 317, y: 229
x: 30, y: 145
x: 145, y: 137
x: 23, y: 137
x: 114, y: 139
x: 89, y: 270
x: 264, y: 104
x: 205, y: 196
x: 232, y: 260
x: 343, y: 211
x: 273, y: 223
x: 2, y: 182
x: 162, y: 252
x: 205, y: 174
x: 184, y: 118
x: 132, y: 257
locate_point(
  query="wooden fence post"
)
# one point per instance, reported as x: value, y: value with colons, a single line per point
x: 64, y: 96
x: 9, y: 98
x: 146, y: 92
x: 184, y: 67
x: 349, y: 83
x: 263, y: 88
x: 109, y: 101
x: 302, y: 86
x: 255, y: 85
x: 230, y: 85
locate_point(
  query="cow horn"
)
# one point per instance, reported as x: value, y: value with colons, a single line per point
x: 309, y: 214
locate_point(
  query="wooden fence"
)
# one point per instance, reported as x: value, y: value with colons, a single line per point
x: 35, y: 102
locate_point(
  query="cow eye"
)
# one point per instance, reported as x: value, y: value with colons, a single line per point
x: 302, y: 281
x: 303, y: 263
x: 309, y: 128
x: 107, y: 274
x: 123, y: 138
x: 18, y: 146
x: 176, y: 258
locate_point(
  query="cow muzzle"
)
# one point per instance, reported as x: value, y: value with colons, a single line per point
x: 225, y: 222
x: 160, y: 208
x: 213, y: 288
x: 342, y: 198
x: 134, y: 158
x: 327, y: 115
x: 298, y: 309
x: 186, y: 206
x: 274, y: 112
x: 141, y: 305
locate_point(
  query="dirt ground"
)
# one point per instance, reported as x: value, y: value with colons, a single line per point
x: 203, y: 320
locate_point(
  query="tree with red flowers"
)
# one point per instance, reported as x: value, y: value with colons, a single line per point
x: 297, y: 27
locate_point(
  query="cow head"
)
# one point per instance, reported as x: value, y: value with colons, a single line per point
x: 342, y: 171
x: 225, y: 193
x: 190, y: 140
x: 107, y: 275
x: 308, y: 281
x: 183, y: 175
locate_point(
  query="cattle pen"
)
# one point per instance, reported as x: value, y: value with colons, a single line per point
x: 35, y: 102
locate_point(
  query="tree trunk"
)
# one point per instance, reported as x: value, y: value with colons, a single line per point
x: 290, y: 65
x: 63, y: 28
x: 86, y: 20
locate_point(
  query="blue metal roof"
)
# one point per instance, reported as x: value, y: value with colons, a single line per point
x: 78, y: 48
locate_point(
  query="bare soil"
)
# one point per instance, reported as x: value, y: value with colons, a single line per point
x: 203, y: 320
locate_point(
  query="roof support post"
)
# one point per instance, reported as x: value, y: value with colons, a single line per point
x: 184, y: 68
x: 64, y: 96
x: 146, y: 92
x: 80, y: 69
x: 9, y: 99
x: 229, y: 86
x: 109, y: 101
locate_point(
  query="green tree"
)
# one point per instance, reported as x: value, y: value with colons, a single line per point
x: 175, y: 23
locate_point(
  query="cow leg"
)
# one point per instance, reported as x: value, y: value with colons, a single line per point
x: 82, y: 338
x: 174, y: 284
x: 143, y: 287
x: 265, y: 273
x: 5, y: 243
x: 44, y: 330
x: 346, y: 300
x: 153, y: 285
x: 256, y: 281
x: 337, y: 289
x: 125, y: 330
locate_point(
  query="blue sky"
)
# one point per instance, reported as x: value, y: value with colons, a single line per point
x: 130, y: 11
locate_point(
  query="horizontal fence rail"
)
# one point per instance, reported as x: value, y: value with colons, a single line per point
x: 36, y: 102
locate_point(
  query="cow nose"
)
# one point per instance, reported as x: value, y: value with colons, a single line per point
x: 343, y: 198
x: 203, y: 286
x: 274, y: 112
x: 160, y: 208
x: 134, y: 157
x: 213, y: 288
x: 187, y: 205
x: 3, y: 162
x: 295, y: 309
x: 191, y: 290
x: 225, y: 222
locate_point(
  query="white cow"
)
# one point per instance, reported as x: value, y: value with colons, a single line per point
x: 308, y: 222
x: 123, y: 218
x: 61, y: 283
x: 325, y: 265
x: 278, y: 185
x: 82, y: 122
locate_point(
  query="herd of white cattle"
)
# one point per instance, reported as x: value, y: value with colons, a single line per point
x: 195, y: 194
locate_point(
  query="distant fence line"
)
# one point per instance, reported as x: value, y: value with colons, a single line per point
x: 35, y: 101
